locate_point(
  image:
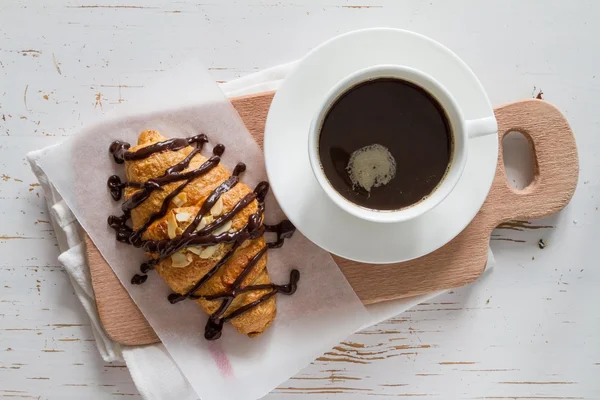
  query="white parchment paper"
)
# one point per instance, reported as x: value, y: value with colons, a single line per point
x: 322, y: 312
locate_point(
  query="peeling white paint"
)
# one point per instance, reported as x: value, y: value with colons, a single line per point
x: 529, y: 329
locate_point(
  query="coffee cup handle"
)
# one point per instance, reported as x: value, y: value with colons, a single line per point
x: 481, y: 127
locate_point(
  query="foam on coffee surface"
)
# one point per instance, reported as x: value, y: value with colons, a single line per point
x: 371, y: 166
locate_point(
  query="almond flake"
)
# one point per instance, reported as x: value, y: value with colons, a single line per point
x: 195, y: 249
x: 171, y: 226
x: 180, y: 260
x: 180, y: 199
x: 209, y: 251
x: 204, y: 221
x: 182, y: 216
x: 217, y: 208
x: 223, y: 228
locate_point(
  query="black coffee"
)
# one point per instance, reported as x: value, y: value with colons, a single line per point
x: 385, y: 117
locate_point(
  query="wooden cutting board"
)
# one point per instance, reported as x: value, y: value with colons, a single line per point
x: 461, y: 261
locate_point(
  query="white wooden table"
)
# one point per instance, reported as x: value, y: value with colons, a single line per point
x: 528, y: 330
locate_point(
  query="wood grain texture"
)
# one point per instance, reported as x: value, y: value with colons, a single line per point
x: 457, y: 263
x: 114, y: 303
x: 254, y: 109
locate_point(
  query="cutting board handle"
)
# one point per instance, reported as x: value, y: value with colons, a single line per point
x: 556, y: 164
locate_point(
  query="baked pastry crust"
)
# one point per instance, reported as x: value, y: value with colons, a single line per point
x: 182, y: 279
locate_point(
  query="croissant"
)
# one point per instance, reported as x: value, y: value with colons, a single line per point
x: 201, y: 228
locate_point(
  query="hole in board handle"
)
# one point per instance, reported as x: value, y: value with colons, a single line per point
x: 519, y: 160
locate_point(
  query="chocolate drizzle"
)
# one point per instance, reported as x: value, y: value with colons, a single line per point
x: 192, y: 236
x: 284, y: 230
x: 214, y: 325
x: 138, y: 279
x: 172, y: 174
x: 120, y: 152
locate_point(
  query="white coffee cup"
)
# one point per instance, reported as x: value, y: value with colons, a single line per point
x: 462, y: 130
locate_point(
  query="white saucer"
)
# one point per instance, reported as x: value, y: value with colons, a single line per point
x: 286, y: 148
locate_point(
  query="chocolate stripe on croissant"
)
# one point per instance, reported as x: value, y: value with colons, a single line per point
x: 203, y: 237
x: 214, y: 325
x: 166, y: 247
x: 126, y: 234
x: 284, y: 230
x: 116, y: 186
x: 191, y: 236
x: 120, y: 152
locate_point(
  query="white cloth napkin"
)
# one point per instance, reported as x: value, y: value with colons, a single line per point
x: 154, y: 372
